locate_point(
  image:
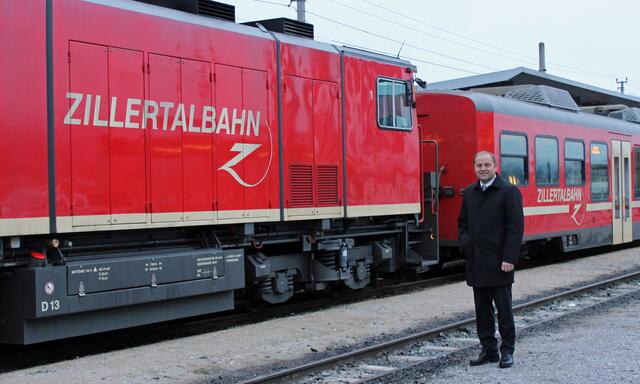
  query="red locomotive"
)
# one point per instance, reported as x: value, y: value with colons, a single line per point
x: 162, y: 163
x: 579, y: 173
x: 157, y: 162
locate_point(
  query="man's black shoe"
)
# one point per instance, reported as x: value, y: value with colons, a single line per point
x: 485, y: 358
x: 506, y: 361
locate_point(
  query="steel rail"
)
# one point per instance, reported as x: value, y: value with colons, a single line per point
x: 293, y: 373
x: 13, y: 357
x: 534, y: 304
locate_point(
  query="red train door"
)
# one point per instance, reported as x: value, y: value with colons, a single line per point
x: 327, y: 147
x: 230, y: 194
x: 197, y: 142
x: 313, y: 147
x: 621, y: 180
x: 165, y: 143
x: 298, y: 145
x: 90, y: 175
x: 257, y: 199
x: 127, y: 140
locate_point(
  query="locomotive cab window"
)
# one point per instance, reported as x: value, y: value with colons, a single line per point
x: 599, y: 172
x: 547, y: 172
x: 574, y: 162
x: 514, y: 158
x: 394, y: 108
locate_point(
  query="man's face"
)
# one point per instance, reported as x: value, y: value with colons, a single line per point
x: 485, y: 168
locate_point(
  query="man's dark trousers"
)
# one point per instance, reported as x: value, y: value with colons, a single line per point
x: 485, y: 320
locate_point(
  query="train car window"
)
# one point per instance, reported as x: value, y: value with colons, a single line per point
x: 574, y: 162
x: 636, y: 172
x: 599, y: 172
x: 394, y: 111
x: 513, y: 158
x: 547, y: 172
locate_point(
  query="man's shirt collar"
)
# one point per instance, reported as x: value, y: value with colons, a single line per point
x: 486, y: 185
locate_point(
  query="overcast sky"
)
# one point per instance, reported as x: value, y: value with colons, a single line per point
x: 590, y: 41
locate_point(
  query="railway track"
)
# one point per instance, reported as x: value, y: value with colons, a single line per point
x: 378, y: 363
x: 21, y: 357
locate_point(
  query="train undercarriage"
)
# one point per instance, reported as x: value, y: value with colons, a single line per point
x: 78, y: 284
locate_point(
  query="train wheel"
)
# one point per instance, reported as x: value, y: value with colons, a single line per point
x: 253, y: 304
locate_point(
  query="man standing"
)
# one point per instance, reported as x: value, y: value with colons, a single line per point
x: 490, y: 231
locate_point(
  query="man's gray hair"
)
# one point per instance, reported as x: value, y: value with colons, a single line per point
x: 482, y: 153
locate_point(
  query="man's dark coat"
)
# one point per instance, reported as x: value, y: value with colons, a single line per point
x: 490, y: 231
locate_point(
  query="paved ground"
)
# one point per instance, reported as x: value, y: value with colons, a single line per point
x: 601, y: 346
x: 275, y: 342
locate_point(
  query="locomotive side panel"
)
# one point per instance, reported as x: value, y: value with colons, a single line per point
x: 127, y: 156
x: 260, y: 192
x: 174, y: 125
x: 298, y: 145
x: 312, y: 141
x: 230, y: 196
x: 24, y: 206
x: 328, y: 147
x: 359, y: 113
x: 165, y: 142
x: 381, y: 178
x: 197, y: 161
x: 90, y: 176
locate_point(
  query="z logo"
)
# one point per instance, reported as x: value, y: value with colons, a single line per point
x: 576, y: 209
x: 244, y: 150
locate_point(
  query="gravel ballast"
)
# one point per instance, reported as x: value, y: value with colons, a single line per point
x: 221, y: 355
x: 597, y: 346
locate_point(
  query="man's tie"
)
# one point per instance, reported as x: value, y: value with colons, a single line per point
x: 484, y: 187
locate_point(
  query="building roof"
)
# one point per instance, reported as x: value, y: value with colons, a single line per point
x: 584, y: 94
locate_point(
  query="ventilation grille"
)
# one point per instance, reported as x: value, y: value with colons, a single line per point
x: 328, y: 186
x: 199, y: 7
x: 286, y: 26
x: 300, y: 185
x: 628, y: 114
x: 217, y: 10
x: 542, y: 94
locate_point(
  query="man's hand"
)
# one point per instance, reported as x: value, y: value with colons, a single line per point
x: 506, y: 267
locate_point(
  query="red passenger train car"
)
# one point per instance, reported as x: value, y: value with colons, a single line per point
x: 161, y: 163
x: 579, y: 173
